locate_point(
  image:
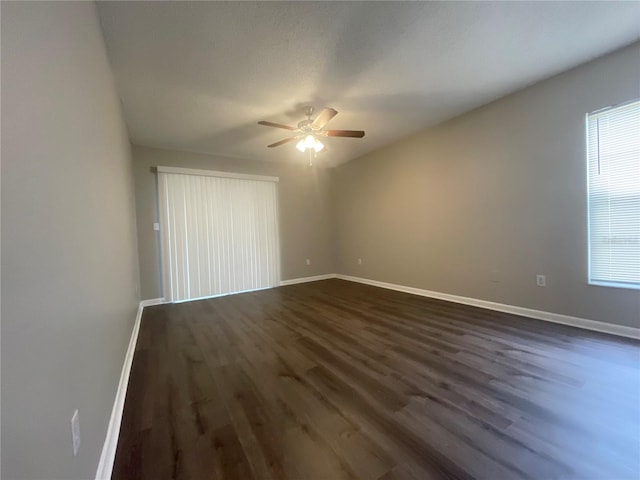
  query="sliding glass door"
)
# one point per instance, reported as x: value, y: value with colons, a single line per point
x: 219, y: 233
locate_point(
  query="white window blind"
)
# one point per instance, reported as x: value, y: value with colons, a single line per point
x: 219, y: 234
x: 613, y: 144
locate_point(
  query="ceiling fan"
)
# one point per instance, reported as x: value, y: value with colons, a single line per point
x: 308, y: 131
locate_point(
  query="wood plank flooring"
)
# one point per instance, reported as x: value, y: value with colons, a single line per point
x: 336, y: 380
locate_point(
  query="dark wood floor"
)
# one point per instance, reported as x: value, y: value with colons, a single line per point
x: 336, y: 380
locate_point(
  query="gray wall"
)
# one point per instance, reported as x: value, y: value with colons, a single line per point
x: 69, y: 260
x: 304, y: 204
x: 481, y: 204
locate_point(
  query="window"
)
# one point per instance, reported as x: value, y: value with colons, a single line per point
x: 613, y: 157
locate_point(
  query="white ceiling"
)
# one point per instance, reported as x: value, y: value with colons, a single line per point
x: 197, y: 76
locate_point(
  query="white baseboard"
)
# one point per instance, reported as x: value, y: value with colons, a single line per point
x: 595, y: 325
x: 293, y: 281
x: 108, y: 455
x: 152, y: 301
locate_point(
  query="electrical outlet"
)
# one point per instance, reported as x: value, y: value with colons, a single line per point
x: 156, y: 226
x: 75, y: 432
x: 308, y: 261
x: 541, y: 280
x: 359, y: 261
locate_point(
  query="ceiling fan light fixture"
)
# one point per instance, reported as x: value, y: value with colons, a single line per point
x: 310, y: 141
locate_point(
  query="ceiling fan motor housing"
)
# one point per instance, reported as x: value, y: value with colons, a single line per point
x: 307, y: 126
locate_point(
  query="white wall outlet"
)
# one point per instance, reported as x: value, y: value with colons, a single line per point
x: 359, y: 261
x: 308, y: 261
x: 75, y: 432
x: 156, y: 226
x: 541, y: 280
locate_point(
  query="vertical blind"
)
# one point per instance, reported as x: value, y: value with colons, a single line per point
x: 613, y: 144
x: 219, y: 234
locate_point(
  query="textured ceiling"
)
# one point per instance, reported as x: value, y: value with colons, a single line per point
x: 197, y: 76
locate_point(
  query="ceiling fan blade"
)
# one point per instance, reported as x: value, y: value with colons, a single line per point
x: 277, y: 125
x: 345, y: 133
x: 282, y: 142
x: 324, y: 117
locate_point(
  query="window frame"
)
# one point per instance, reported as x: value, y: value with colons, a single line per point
x: 590, y: 281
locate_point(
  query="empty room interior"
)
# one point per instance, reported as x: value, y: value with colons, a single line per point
x: 320, y: 240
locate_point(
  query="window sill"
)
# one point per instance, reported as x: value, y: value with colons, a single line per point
x: 628, y: 286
